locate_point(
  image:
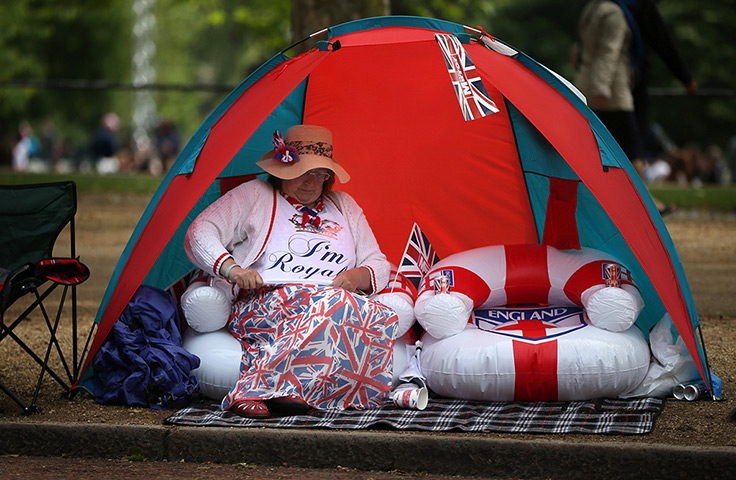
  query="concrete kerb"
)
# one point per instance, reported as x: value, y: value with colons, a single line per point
x: 448, y: 454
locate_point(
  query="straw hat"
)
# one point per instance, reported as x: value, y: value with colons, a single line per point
x: 304, y: 148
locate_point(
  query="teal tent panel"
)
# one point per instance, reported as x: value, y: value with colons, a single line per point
x: 196, y: 147
x: 539, y: 161
x: 173, y: 264
x: 538, y: 197
x: 289, y: 112
x: 536, y: 153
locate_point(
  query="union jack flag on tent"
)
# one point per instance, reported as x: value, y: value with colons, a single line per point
x: 418, y: 258
x: 471, y: 93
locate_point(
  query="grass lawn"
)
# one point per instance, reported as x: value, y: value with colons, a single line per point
x: 714, y: 198
x: 143, y: 184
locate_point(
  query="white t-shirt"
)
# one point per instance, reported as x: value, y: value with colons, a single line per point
x: 305, y: 254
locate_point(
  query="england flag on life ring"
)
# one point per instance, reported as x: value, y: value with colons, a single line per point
x: 531, y: 323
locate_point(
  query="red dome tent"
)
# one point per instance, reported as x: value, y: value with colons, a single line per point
x: 438, y: 124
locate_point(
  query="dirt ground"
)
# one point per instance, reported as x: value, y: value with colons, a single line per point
x: 706, y: 244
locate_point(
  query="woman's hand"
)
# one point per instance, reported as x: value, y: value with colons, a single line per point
x: 245, y: 279
x: 353, y: 280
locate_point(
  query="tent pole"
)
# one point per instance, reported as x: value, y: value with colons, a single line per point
x: 706, y: 368
x: 303, y: 40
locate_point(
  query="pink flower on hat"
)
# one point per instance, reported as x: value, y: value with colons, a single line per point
x: 282, y: 152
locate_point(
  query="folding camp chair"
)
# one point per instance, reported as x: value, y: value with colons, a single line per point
x: 31, y: 219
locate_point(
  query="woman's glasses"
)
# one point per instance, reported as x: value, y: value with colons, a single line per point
x: 317, y: 176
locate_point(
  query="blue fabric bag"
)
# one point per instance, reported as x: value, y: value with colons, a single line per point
x: 142, y: 362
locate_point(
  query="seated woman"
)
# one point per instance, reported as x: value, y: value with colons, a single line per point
x: 295, y: 258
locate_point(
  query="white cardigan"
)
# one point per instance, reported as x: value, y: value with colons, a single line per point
x: 239, y: 224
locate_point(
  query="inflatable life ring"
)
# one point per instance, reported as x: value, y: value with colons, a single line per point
x: 220, y: 355
x: 501, y: 275
x: 534, y: 354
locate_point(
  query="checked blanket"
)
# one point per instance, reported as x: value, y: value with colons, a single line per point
x: 602, y: 416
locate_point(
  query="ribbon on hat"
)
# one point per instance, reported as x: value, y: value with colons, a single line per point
x: 283, y: 153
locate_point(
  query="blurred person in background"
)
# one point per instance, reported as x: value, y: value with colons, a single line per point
x: 51, y: 145
x: 610, y: 59
x: 26, y: 147
x: 168, y: 143
x: 105, y: 145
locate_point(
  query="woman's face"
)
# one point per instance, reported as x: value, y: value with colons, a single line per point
x: 307, y: 188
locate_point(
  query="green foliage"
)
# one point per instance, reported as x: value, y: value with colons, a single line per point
x: 468, y: 12
x: 135, y: 454
x: 221, y: 41
x: 704, y: 33
x: 80, y: 40
x: 212, y: 42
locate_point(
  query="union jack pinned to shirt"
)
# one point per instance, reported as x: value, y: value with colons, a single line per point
x: 418, y: 258
x: 471, y: 93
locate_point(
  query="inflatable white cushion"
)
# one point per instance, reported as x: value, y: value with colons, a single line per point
x: 445, y: 314
x: 402, y: 305
x: 613, y: 308
x: 220, y: 355
x: 399, y: 295
x: 588, y: 362
x: 205, y: 308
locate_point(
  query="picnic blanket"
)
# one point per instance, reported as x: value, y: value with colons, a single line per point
x: 601, y: 416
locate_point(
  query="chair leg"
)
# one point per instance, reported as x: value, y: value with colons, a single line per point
x: 44, y: 366
x: 38, y: 360
x: 27, y: 409
x: 75, y: 368
x: 53, y: 339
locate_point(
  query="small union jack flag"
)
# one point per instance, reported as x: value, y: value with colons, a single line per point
x: 418, y: 258
x: 471, y: 93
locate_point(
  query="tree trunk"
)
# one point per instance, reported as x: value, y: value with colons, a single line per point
x: 310, y: 16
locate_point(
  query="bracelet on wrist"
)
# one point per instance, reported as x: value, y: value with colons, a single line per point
x: 227, y: 271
